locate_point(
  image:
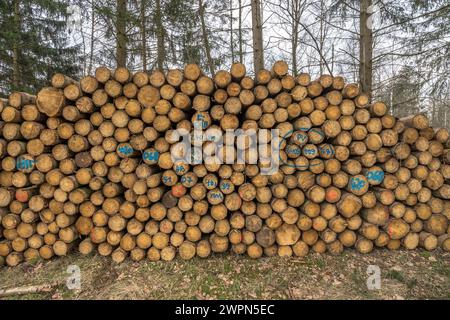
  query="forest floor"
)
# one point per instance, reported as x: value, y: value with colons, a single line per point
x: 404, y: 275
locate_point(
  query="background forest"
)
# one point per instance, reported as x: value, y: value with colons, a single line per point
x: 399, y: 50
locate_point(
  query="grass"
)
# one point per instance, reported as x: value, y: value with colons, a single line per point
x: 405, y: 275
x: 399, y: 276
x: 360, y: 284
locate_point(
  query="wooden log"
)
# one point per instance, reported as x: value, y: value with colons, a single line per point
x: 60, y: 81
x: 50, y: 101
x: 428, y: 241
x: 419, y: 121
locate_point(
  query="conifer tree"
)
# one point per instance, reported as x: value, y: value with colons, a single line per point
x: 34, y: 44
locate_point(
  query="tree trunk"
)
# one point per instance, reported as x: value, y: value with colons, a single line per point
x: 332, y: 58
x: 322, y: 36
x: 16, y: 46
x: 231, y: 31
x: 121, y: 21
x: 294, y: 55
x: 201, y: 11
x: 258, y: 53
x: 27, y: 290
x: 365, y: 46
x: 240, y: 32
x: 174, y: 52
x: 159, y: 36
x: 91, y: 53
x: 143, y: 36
x: 295, y: 25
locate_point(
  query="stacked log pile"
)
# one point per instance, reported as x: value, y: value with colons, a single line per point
x: 88, y: 165
x: 37, y: 218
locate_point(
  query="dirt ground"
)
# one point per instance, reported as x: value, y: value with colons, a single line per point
x: 404, y: 275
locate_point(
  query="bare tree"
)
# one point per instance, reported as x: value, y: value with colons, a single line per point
x: 91, y: 42
x: 241, y: 54
x: 231, y: 31
x: 121, y: 23
x: 160, y: 34
x: 365, y: 46
x: 258, y: 52
x: 289, y: 14
x: 143, y: 27
x: 201, y: 12
x: 17, y: 74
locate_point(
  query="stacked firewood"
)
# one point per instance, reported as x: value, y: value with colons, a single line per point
x: 98, y: 164
x: 37, y: 211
